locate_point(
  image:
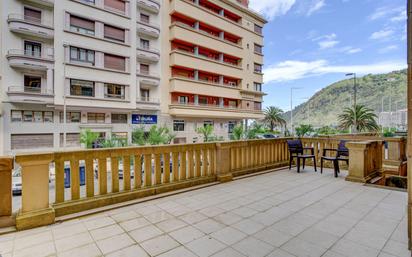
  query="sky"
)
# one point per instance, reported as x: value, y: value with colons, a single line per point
x: 309, y: 44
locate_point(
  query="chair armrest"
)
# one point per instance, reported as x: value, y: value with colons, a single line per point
x: 328, y: 150
x: 312, y: 150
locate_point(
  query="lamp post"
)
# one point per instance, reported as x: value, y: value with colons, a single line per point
x: 291, y: 107
x: 354, y: 100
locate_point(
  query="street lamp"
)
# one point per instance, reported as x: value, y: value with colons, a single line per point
x: 291, y: 107
x: 354, y: 99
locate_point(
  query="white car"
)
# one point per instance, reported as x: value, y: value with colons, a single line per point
x: 16, y: 181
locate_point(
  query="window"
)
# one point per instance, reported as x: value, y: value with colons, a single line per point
x: 258, y: 29
x: 144, y: 69
x: 257, y: 87
x: 114, y: 62
x: 258, y: 106
x: 116, y: 5
x: 32, y: 84
x: 144, y: 43
x: 16, y: 116
x: 258, y: 49
x: 114, y: 33
x: 144, y: 18
x: 258, y: 68
x: 183, y: 100
x: 114, y: 91
x: 48, y: 116
x: 81, y: 87
x: 32, y: 15
x: 81, y: 55
x: 95, y: 117
x: 32, y: 49
x: 81, y: 25
x: 145, y: 94
x: 31, y: 116
x: 119, y: 118
x: 231, y: 126
x: 202, y: 100
x: 207, y: 123
x: 71, y: 117
x: 178, y: 125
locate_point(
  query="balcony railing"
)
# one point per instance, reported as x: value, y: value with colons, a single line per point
x: 32, y: 90
x: 114, y: 96
x: 33, y: 20
x: 148, y: 73
x: 213, y: 106
x: 206, y: 57
x: 47, y: 53
x: 229, y: 85
x: 150, y: 5
x: 150, y: 100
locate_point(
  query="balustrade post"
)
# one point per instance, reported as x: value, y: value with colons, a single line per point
x: 6, y: 167
x: 223, y: 169
x: 36, y: 210
x: 365, y: 160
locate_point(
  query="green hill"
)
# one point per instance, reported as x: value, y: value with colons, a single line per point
x: 323, y: 108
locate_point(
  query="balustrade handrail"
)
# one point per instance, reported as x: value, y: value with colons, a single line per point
x: 22, y: 17
x: 34, y: 54
x: 148, y: 99
x: 152, y: 1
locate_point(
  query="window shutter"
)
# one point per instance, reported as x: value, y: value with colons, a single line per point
x: 116, y: 4
x: 114, y: 62
x: 114, y: 33
x: 82, y: 23
x: 32, y: 15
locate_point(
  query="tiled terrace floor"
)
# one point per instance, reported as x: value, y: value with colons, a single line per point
x: 277, y: 214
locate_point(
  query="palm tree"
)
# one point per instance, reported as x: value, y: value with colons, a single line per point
x: 238, y: 133
x: 360, y: 117
x: 206, y: 132
x: 87, y: 138
x: 273, y: 117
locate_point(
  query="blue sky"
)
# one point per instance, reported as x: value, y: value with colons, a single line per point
x: 310, y: 44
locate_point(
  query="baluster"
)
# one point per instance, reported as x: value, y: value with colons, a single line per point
x: 232, y: 158
x: 126, y: 172
x: 102, y: 175
x: 205, y: 162
x: 197, y: 160
x: 114, y: 161
x: 74, y: 178
x: 212, y: 153
x: 243, y: 156
x: 183, y: 165
x: 137, y: 171
x: 191, y: 164
x: 175, y: 163
x: 147, y: 158
x: 158, y: 170
x: 89, y: 176
x: 166, y: 167
x: 59, y: 170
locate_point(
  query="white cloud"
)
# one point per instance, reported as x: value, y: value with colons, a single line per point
x: 350, y: 50
x: 293, y: 70
x: 400, y: 17
x: 316, y: 6
x: 383, y: 12
x: 388, y: 49
x: 326, y: 41
x: 382, y: 34
x: 270, y: 8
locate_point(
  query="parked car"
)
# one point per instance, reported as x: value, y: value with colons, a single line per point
x: 16, y: 181
x: 267, y: 136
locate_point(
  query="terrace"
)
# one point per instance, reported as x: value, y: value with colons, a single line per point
x: 186, y: 209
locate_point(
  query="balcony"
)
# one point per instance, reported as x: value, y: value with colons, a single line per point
x: 21, y: 24
x: 22, y: 59
x: 148, y: 103
x: 152, y: 6
x: 149, y: 75
x: 48, y: 3
x: 148, y: 29
x: 148, y: 54
x: 21, y: 94
x: 181, y: 84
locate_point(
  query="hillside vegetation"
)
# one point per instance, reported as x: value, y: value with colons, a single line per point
x: 323, y: 108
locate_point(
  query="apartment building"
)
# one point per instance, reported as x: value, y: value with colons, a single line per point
x: 95, y: 62
x: 214, y: 65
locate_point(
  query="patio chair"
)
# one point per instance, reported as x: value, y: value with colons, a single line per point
x: 342, y: 154
x: 296, y: 150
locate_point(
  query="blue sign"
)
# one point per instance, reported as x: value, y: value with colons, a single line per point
x: 144, y: 119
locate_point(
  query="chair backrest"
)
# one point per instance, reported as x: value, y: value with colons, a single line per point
x: 342, y: 149
x: 295, y: 146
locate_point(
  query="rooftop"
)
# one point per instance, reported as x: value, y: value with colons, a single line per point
x: 279, y: 213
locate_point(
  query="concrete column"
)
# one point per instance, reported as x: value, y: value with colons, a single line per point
x: 222, y: 12
x: 221, y: 58
x: 196, y: 50
x: 221, y: 102
x: 196, y: 25
x: 196, y: 99
x: 6, y: 166
x: 196, y: 2
x: 223, y: 169
x: 196, y: 75
x: 221, y: 79
x: 222, y: 35
x: 49, y: 81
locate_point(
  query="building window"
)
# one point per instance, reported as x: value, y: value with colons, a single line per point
x: 258, y: 29
x: 119, y: 118
x: 258, y: 49
x: 71, y: 117
x: 81, y: 25
x: 145, y: 95
x: 95, y: 117
x: 114, y: 91
x: 114, y: 33
x: 81, y: 55
x: 144, y: 18
x: 144, y: 69
x: 32, y: 15
x: 232, y: 103
x: 81, y: 87
x: 32, y: 84
x: 31, y: 116
x: 114, y: 62
x: 208, y: 123
x: 32, y: 49
x: 257, y: 87
x: 258, y: 106
x: 88, y: 1
x: 144, y: 43
x: 183, y: 99
x: 231, y: 126
x: 116, y: 5
x: 258, y: 68
x: 178, y: 125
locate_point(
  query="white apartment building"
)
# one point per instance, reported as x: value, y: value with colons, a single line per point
x: 96, y: 60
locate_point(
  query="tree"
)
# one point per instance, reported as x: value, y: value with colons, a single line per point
x: 238, y: 133
x: 254, y: 130
x: 87, y: 138
x: 138, y: 136
x: 304, y: 130
x: 273, y: 117
x: 159, y: 135
x: 206, y: 132
x: 360, y: 117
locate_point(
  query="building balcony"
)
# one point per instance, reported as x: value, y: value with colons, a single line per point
x: 149, y: 75
x: 148, y: 29
x: 152, y: 6
x: 23, y: 59
x: 25, y: 25
x: 22, y: 94
x: 148, y: 54
x: 181, y: 84
x: 148, y: 103
x: 48, y: 3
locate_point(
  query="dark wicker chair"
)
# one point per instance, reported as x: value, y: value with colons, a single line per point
x: 296, y: 150
x: 342, y: 154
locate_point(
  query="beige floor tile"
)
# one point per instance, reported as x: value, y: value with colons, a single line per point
x: 397, y: 248
x: 90, y: 250
x: 158, y: 216
x: 273, y: 236
x: 32, y: 240
x: 6, y: 246
x: 170, y: 225
x: 145, y: 233
x: 105, y: 232
x: 178, y: 252
x: 160, y: 244
x: 280, y: 253
x: 244, y: 212
x: 98, y: 223
x: 134, y: 224
x: 123, y: 216
x: 349, y: 248
x: 300, y: 248
x: 130, y: 251
x: 228, y: 252
x: 75, y: 241
x: 318, y: 237
x: 205, y: 246
x: 114, y: 243
x: 66, y: 231
x: 228, y: 235
x: 208, y: 226
x: 39, y: 250
x: 227, y: 218
x: 193, y: 217
x: 186, y: 234
x: 248, y: 226
x: 253, y: 247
